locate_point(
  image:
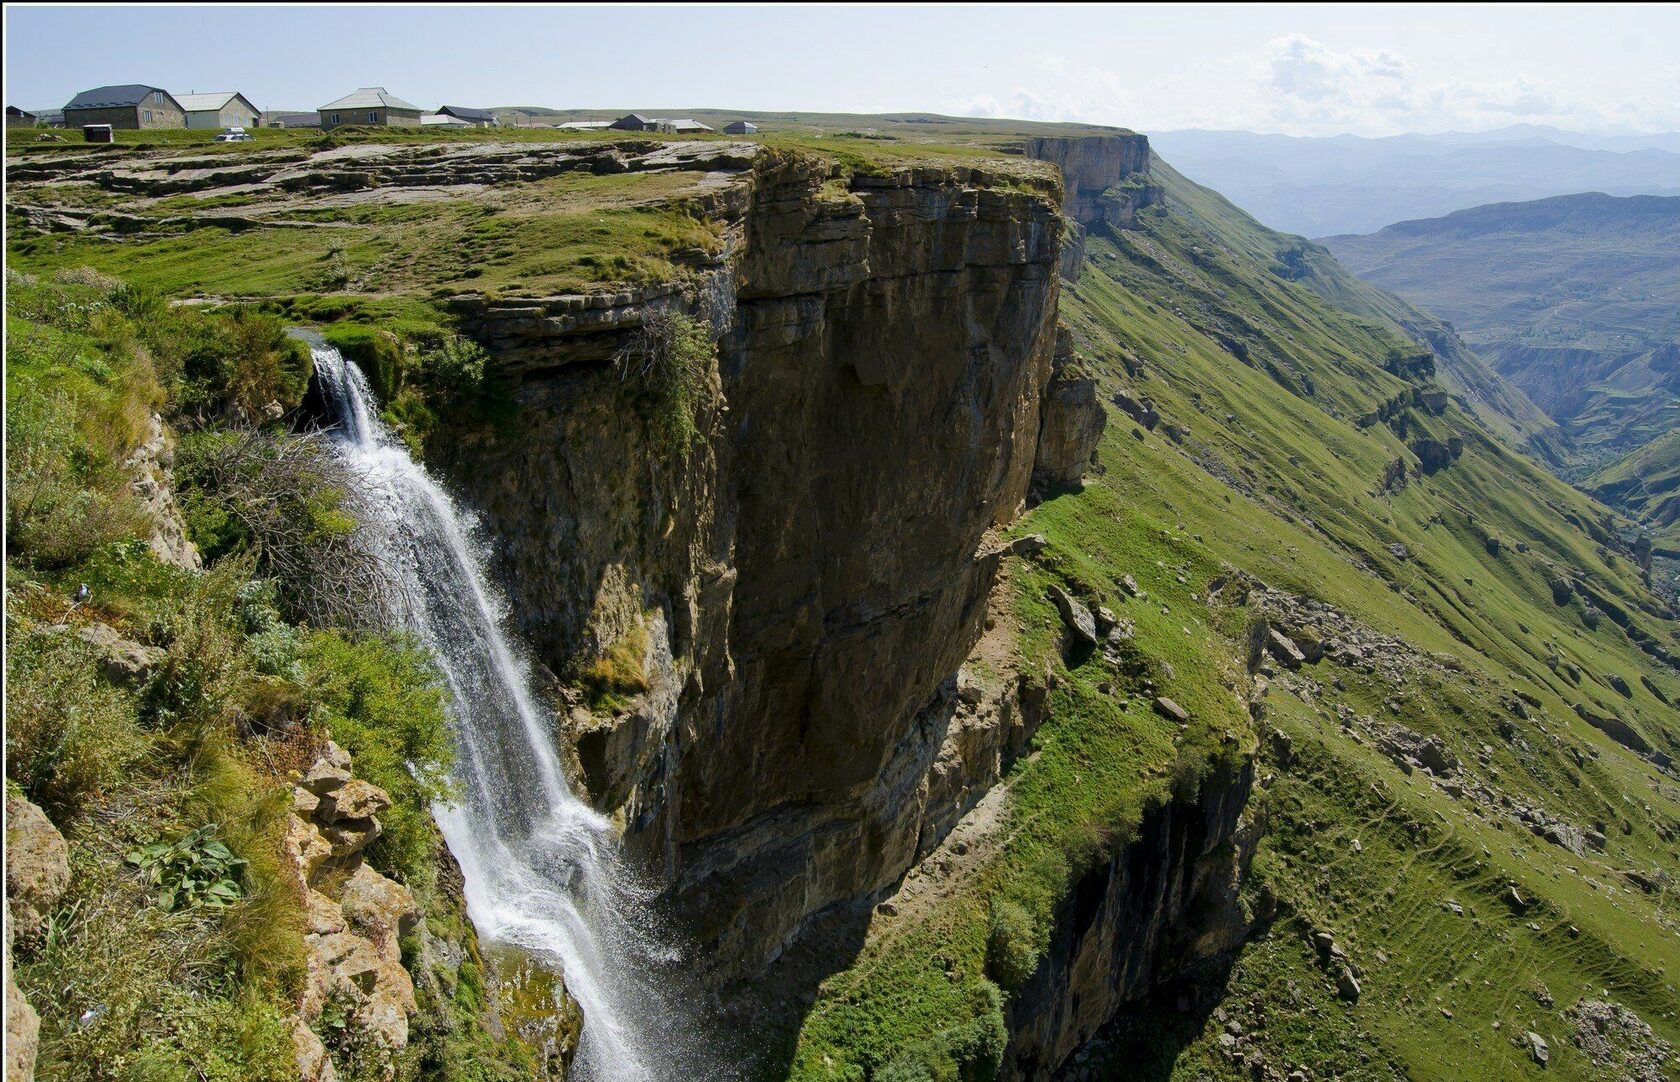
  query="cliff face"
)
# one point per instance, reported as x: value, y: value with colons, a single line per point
x: 809, y: 572
x: 1103, y: 185
x: 1155, y: 907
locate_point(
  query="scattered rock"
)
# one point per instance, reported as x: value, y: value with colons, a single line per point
x: 1075, y: 615
x: 1538, y: 1048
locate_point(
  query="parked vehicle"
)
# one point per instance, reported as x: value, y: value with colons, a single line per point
x: 234, y: 135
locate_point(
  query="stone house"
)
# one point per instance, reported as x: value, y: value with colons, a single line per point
x: 21, y: 118
x: 130, y: 105
x: 370, y: 105
x: 741, y: 127
x: 220, y: 109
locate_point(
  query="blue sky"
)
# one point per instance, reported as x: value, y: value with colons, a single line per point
x: 1301, y: 70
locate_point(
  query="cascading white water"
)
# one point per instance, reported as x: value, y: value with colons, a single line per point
x: 540, y: 864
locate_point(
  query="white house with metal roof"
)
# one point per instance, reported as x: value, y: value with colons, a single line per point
x: 370, y: 105
x: 219, y: 109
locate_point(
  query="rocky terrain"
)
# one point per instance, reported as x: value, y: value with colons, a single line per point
x: 1050, y: 622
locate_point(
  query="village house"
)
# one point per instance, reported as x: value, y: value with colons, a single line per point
x: 370, y: 105
x: 219, y: 109
x: 638, y: 122
x: 478, y: 118
x: 741, y: 127
x: 20, y: 118
x: 130, y: 105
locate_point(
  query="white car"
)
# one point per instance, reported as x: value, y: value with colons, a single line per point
x: 234, y: 135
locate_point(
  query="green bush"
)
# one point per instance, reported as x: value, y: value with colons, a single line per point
x: 1011, y: 944
x: 381, y: 698
x: 971, y: 1052
x: 191, y: 871
x: 671, y: 358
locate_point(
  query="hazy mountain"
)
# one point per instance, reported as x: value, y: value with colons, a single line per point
x: 1575, y: 299
x: 1351, y: 184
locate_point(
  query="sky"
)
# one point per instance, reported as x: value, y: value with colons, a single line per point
x: 1298, y: 70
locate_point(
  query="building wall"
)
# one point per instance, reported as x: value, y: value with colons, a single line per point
x: 394, y: 117
x: 149, y: 115
x: 232, y: 115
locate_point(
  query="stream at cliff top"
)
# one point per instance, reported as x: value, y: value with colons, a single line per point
x: 541, y: 866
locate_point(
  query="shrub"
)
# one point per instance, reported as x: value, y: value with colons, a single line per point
x: 69, y: 735
x: 291, y: 503
x: 191, y: 871
x: 1011, y: 944
x: 240, y: 365
x: 620, y: 669
x: 671, y: 357
x: 970, y: 1052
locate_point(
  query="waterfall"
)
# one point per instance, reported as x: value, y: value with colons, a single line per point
x: 540, y: 864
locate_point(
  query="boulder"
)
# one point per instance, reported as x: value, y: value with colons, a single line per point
x: 1080, y: 623
x: 1171, y: 710
x: 310, y: 1055
x: 123, y: 661
x: 1538, y: 1048
x: 305, y: 847
x: 23, y: 1025
x: 330, y: 771
x: 1283, y: 649
x: 1347, y: 985
x: 37, y: 867
x: 355, y: 799
x: 379, y: 910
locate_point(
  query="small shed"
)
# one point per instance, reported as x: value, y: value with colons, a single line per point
x: 97, y: 133
x: 292, y: 120
x: 741, y: 127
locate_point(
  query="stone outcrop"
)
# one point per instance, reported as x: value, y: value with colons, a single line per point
x: 355, y: 918
x: 1071, y: 423
x: 37, y: 868
x: 812, y: 569
x: 23, y: 1025
x: 152, y: 465
x: 37, y: 874
x: 1153, y: 909
x: 1104, y: 184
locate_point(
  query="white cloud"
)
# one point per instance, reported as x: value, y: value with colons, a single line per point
x: 1299, y: 85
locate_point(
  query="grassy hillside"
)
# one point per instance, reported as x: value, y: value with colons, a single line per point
x: 1267, y: 461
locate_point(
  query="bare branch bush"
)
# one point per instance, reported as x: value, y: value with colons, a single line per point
x: 298, y: 508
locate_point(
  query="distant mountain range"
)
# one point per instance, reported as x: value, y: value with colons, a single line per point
x: 1351, y: 184
x: 1576, y: 300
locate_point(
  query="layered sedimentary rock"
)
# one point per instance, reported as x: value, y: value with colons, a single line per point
x: 1105, y: 185
x: 801, y: 579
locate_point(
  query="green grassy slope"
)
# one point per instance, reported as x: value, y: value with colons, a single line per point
x: 1501, y: 406
x: 1261, y: 463
x: 1647, y: 483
